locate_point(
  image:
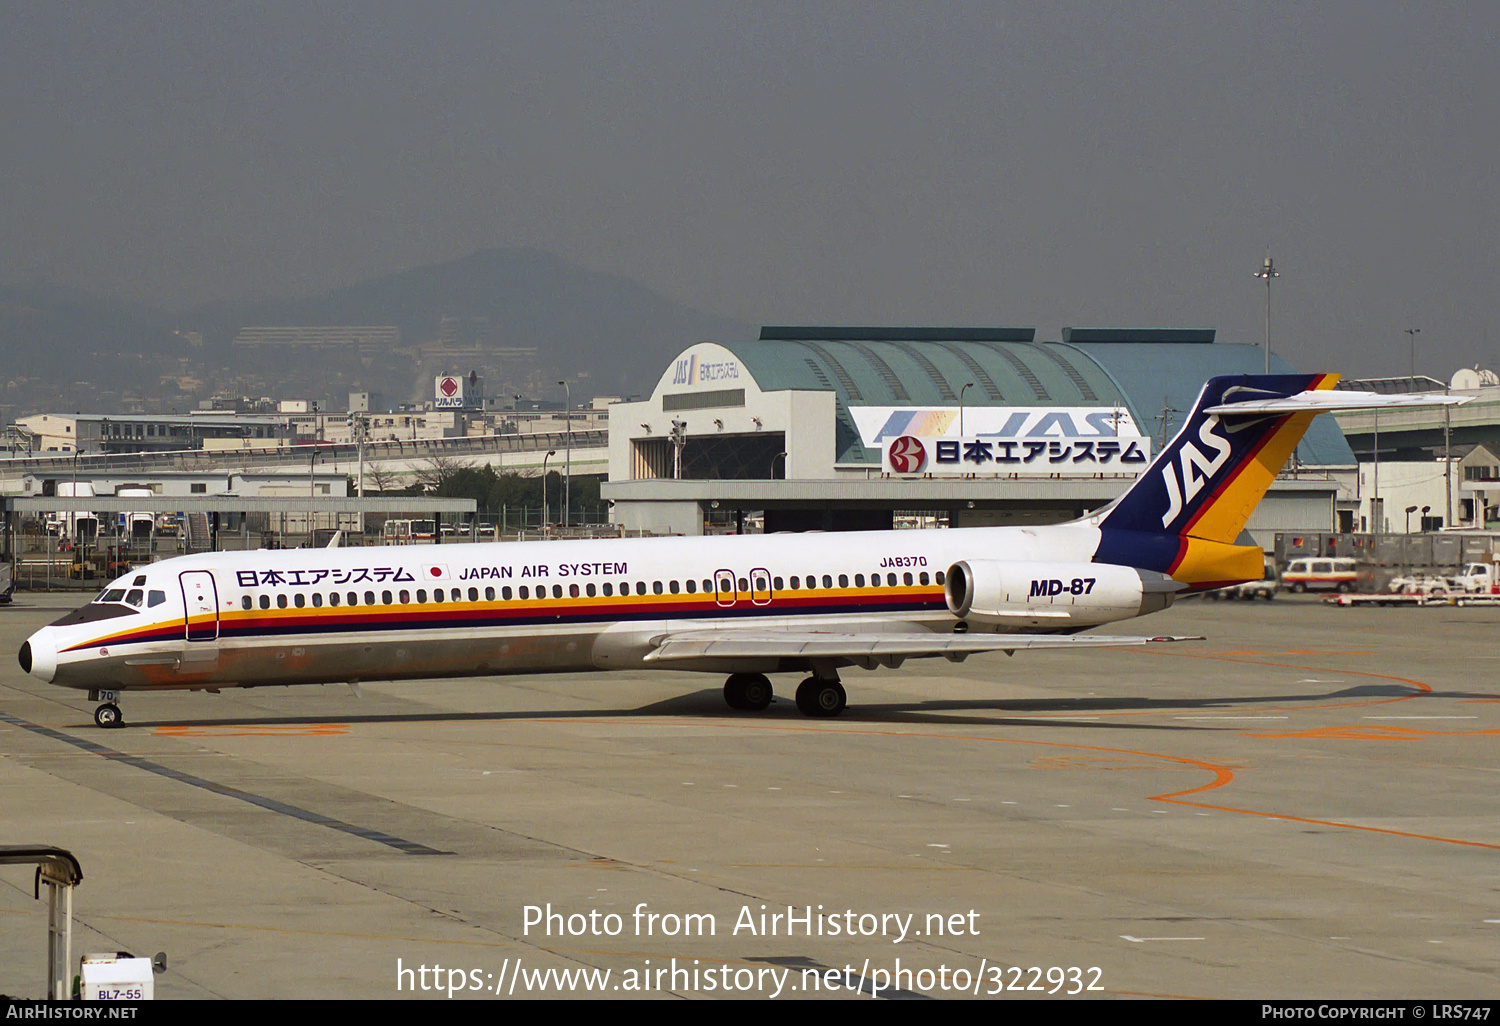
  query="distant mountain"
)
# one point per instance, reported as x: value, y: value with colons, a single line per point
x: 44, y: 327
x: 63, y: 349
x: 618, y: 332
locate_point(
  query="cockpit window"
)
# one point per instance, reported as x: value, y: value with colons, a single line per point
x: 139, y: 582
x: 155, y: 598
x: 112, y: 595
x: 134, y: 596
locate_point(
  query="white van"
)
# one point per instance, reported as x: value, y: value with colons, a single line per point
x: 1320, y: 573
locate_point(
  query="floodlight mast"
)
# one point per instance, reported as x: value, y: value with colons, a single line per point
x: 1268, y: 271
x: 568, y: 470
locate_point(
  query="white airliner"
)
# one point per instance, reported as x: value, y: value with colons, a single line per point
x: 746, y: 606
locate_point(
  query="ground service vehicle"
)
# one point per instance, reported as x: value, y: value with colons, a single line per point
x: 1265, y: 588
x: 1319, y: 573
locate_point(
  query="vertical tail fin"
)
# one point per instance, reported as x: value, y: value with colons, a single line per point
x: 1185, y: 513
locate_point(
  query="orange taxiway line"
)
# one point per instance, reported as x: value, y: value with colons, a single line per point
x: 1421, y: 688
x: 1366, y: 733
x: 270, y: 730
x: 1228, y: 657
x: 1223, y: 775
x: 1170, y: 799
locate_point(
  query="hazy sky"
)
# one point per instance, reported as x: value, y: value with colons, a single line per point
x: 1046, y: 164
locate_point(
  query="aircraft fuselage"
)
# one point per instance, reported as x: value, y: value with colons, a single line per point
x: 305, y: 616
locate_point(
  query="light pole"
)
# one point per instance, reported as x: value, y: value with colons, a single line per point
x: 360, y: 431
x: 312, y: 517
x: 1447, y: 466
x: 1412, y: 334
x: 678, y: 436
x: 73, y: 515
x: 1409, y: 511
x: 550, y: 453
x: 1167, y: 409
x: 568, y: 468
x: 778, y: 456
x: 961, y: 392
x: 1268, y: 271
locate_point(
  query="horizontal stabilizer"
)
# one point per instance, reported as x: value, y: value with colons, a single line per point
x: 1333, y: 401
x: 1185, y: 514
x: 687, y: 645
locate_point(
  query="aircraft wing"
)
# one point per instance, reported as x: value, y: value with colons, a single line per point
x: 870, y: 647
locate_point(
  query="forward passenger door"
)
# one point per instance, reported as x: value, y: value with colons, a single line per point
x: 200, y: 600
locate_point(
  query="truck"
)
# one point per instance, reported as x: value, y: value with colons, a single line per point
x: 1472, y: 584
x: 1477, y: 579
x: 136, y: 526
x: 409, y: 532
x: 75, y: 527
x: 1472, y: 579
x: 1265, y: 588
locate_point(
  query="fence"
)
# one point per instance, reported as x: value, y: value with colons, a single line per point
x: 46, y: 563
x: 220, y: 460
x: 1439, y: 549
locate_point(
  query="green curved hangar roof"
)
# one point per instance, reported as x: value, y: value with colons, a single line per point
x: 1143, y: 370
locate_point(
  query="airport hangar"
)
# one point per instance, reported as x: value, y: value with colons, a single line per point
x: 799, y: 424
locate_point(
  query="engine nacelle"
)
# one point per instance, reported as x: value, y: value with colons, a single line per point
x: 1018, y: 594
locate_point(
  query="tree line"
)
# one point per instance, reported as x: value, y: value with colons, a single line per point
x: 493, y: 490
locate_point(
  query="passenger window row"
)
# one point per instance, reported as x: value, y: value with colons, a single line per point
x: 890, y: 581
x: 525, y: 592
x: 368, y: 598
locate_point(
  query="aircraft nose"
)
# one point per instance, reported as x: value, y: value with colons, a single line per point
x: 39, y: 656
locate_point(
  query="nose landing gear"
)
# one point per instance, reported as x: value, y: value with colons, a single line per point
x: 108, y: 714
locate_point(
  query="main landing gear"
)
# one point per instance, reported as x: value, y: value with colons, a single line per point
x: 821, y: 697
x: 748, y: 691
x: 108, y: 714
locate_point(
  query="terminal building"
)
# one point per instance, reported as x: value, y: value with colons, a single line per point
x: 118, y: 433
x: 1429, y: 468
x: 859, y: 428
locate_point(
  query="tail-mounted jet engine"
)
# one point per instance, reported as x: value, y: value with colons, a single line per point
x: 1001, y: 593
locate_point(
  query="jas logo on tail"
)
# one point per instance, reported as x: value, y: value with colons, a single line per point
x: 1192, y: 461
